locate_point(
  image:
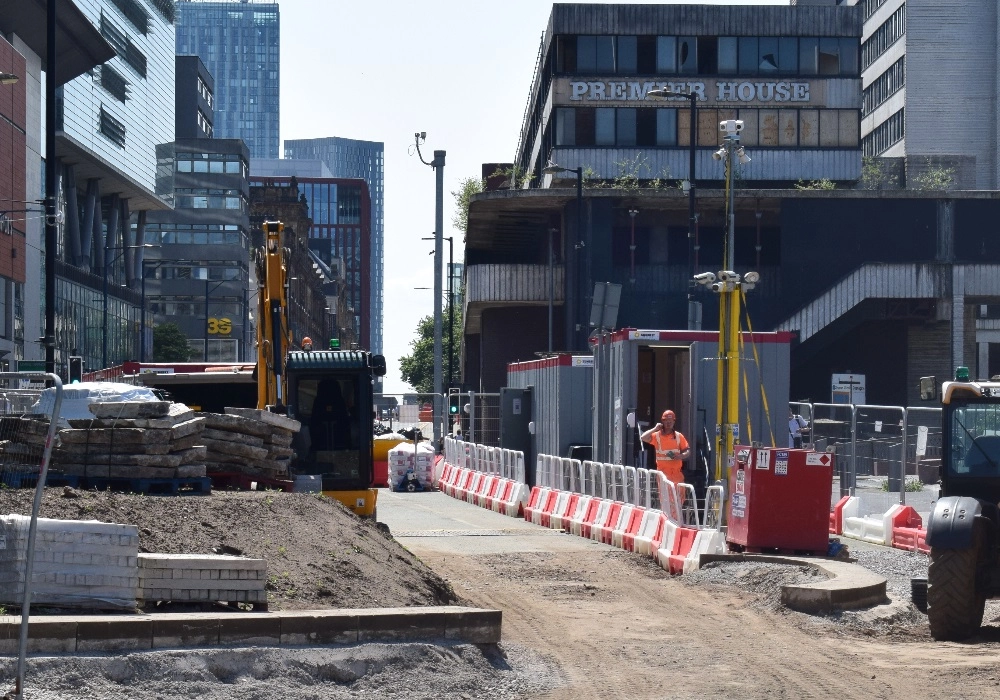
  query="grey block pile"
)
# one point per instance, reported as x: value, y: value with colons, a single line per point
x: 133, y: 440
x: 201, y: 578
x: 78, y: 564
x: 248, y: 441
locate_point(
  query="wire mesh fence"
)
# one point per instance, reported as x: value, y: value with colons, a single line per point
x: 26, y: 439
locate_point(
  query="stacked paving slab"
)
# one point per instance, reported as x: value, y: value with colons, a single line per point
x: 248, y: 441
x: 78, y: 564
x: 133, y: 440
x: 201, y: 578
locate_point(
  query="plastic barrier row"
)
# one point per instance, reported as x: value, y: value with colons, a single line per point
x: 635, y: 528
x: 900, y: 526
x: 489, y: 490
x: 637, y: 510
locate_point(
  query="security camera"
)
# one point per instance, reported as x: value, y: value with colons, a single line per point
x: 705, y: 278
x: 729, y: 276
x: 719, y: 154
x: 731, y: 127
x: 718, y: 287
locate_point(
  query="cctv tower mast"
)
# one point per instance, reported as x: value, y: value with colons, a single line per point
x: 730, y: 288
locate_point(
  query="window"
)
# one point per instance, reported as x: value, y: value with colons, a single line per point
x: 727, y: 55
x: 134, y: 13
x: 565, y: 126
x: 111, y: 128
x: 687, y: 55
x: 604, y: 126
x: 625, y: 126
x: 628, y: 55
x: 666, y: 54
x: 114, y: 83
x: 666, y: 127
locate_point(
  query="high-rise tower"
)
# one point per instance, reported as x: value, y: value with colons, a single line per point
x: 239, y: 42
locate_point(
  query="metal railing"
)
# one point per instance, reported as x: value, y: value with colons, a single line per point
x: 27, y: 432
x: 883, y: 454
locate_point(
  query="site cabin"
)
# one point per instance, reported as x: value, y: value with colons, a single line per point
x: 644, y: 372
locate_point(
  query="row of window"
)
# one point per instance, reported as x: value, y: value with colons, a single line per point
x: 218, y: 164
x: 871, y: 6
x: 220, y: 272
x: 707, y: 55
x: 889, y: 132
x: 888, y: 33
x: 194, y: 306
x: 630, y: 126
x: 200, y: 201
x: 883, y: 87
x: 234, y: 238
x: 669, y: 245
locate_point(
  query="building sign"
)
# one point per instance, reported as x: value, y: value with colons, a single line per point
x: 220, y: 326
x: 716, y: 92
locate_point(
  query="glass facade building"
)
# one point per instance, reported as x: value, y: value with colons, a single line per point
x: 350, y: 158
x: 239, y: 42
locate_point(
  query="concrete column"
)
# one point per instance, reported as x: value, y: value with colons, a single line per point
x: 127, y: 252
x: 91, y: 210
x: 946, y: 230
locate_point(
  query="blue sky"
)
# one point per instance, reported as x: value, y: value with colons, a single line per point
x: 381, y: 71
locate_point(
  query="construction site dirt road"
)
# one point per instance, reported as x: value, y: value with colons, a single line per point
x: 608, y: 623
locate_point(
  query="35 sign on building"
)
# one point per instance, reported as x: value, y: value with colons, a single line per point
x: 220, y: 326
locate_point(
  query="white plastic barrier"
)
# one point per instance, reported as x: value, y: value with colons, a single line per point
x: 705, y: 542
x: 876, y: 529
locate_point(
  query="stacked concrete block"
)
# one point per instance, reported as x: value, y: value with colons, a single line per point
x: 201, y: 578
x: 249, y: 441
x: 77, y: 564
x: 133, y: 440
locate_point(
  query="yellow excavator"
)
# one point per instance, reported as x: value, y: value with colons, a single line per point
x: 330, y: 392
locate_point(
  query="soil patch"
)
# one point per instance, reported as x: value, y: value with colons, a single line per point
x: 319, y: 554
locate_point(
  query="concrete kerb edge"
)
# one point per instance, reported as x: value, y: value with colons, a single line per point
x: 848, y: 587
x: 114, y: 633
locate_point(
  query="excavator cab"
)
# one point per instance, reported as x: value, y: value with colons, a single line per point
x: 330, y: 394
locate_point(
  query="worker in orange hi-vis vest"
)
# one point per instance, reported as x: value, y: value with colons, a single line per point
x: 671, y: 447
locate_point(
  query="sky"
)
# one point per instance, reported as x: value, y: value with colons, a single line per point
x: 385, y: 69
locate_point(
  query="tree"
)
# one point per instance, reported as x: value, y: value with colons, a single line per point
x: 170, y: 344
x: 467, y: 188
x: 417, y: 368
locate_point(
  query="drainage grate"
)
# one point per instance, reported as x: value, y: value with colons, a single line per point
x: 475, y: 533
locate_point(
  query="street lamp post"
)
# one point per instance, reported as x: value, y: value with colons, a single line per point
x: 104, y: 293
x: 694, y: 307
x: 571, y: 284
x: 142, y: 313
x: 438, y: 165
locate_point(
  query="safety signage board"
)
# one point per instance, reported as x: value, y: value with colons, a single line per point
x: 763, y: 459
x: 820, y: 459
x: 781, y: 463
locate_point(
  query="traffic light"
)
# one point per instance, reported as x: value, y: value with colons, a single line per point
x: 454, y: 402
x: 75, y: 369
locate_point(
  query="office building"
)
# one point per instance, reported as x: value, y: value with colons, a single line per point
x: 350, y: 158
x: 929, y: 71
x: 198, y: 275
x: 892, y: 285
x: 114, y: 104
x: 239, y: 42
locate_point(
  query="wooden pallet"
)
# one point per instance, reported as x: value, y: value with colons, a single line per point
x: 25, y: 480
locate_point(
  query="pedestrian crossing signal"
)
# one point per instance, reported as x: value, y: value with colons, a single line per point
x: 75, y: 369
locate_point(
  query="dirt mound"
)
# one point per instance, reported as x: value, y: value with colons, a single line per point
x: 319, y: 554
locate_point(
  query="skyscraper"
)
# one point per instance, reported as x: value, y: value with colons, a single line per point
x: 350, y: 158
x: 238, y: 41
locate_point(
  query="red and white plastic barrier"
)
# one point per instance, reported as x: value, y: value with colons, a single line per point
x: 900, y: 526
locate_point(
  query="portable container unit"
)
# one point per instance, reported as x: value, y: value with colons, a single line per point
x: 647, y: 371
x: 562, y: 397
